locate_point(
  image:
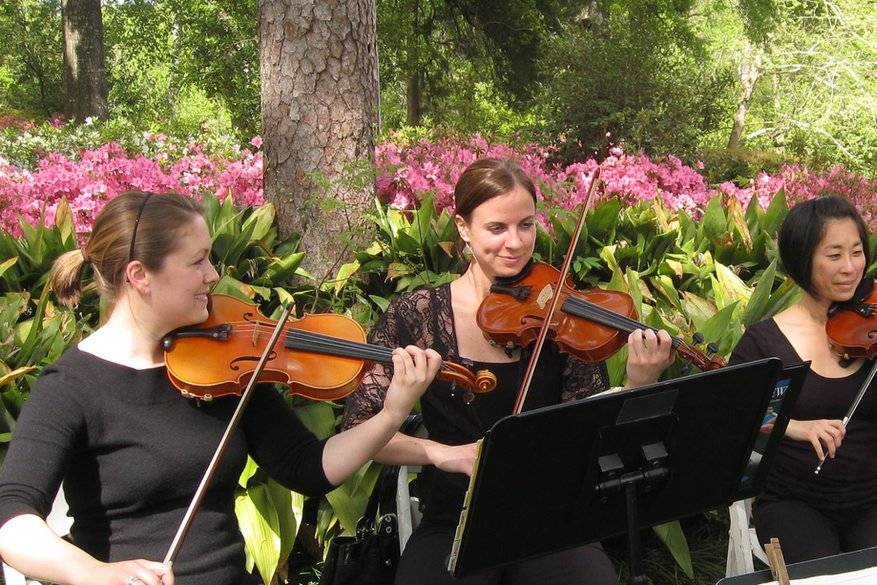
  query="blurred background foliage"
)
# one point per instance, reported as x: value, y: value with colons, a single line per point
x: 664, y: 76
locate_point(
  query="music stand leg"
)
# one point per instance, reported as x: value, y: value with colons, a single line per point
x: 633, y: 541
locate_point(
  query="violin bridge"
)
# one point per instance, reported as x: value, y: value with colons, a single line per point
x: 544, y: 296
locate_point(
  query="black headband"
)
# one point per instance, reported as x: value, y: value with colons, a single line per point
x: 136, y: 223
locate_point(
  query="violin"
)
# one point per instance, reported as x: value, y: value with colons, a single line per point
x: 591, y: 325
x: 852, y: 334
x: 322, y: 356
x: 852, y: 324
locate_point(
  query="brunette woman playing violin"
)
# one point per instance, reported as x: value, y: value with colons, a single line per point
x: 823, y: 245
x: 496, y: 218
x: 130, y: 449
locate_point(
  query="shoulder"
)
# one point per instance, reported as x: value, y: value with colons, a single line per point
x: 756, y: 341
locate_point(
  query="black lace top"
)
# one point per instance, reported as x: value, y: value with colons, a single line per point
x: 425, y: 318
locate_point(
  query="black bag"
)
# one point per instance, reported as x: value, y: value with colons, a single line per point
x: 370, y: 557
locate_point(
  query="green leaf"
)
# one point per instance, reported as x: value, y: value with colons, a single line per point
x: 346, y: 270
x: 318, y: 417
x: 261, y: 220
x: 775, y: 213
x: 349, y: 499
x: 714, y: 222
x: 760, y: 297
x: 260, y: 527
x: 7, y: 264
x: 673, y: 537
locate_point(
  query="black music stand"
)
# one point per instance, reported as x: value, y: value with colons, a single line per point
x: 563, y: 476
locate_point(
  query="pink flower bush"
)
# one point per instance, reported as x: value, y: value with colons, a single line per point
x: 405, y: 175
x: 98, y: 175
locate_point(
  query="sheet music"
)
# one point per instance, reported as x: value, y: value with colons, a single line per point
x: 458, y: 534
x: 863, y: 577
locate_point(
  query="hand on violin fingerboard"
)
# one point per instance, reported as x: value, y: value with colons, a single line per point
x: 648, y: 355
x: 413, y: 371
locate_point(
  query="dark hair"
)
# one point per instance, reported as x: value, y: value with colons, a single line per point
x: 485, y: 179
x: 111, y: 246
x: 803, y: 229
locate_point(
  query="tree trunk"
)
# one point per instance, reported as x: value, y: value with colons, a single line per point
x: 319, y: 112
x: 85, y: 80
x: 413, y: 100
x: 750, y: 71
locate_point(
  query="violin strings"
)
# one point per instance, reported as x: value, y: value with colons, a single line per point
x: 610, y: 318
x: 326, y: 344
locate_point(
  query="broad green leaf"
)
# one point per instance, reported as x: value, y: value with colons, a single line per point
x: 719, y: 325
x: 673, y: 537
x: 261, y: 220
x: 349, y: 499
x: 714, y: 222
x: 64, y: 221
x: 617, y: 282
x: 318, y: 417
x: 775, y: 213
x: 602, y: 220
x: 381, y: 302
x: 249, y: 471
x: 260, y: 527
x: 733, y: 288
x: 7, y: 264
x: 787, y: 294
x: 346, y: 270
x: 758, y: 302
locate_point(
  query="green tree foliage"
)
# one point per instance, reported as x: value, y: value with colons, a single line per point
x: 462, y: 65
x: 638, y: 71
x: 818, y: 97
x: 31, y: 56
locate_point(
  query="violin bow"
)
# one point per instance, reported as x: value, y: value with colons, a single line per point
x: 555, y: 298
x: 853, y: 407
x: 225, y: 440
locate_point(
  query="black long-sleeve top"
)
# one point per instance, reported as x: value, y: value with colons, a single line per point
x: 848, y: 481
x: 131, y: 452
x: 425, y: 318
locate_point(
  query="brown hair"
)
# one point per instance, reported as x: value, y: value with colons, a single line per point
x: 133, y: 226
x: 485, y: 179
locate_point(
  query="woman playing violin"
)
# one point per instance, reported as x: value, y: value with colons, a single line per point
x: 129, y: 448
x: 496, y: 218
x: 823, y: 245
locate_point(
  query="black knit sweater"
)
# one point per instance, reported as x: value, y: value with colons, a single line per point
x: 131, y: 452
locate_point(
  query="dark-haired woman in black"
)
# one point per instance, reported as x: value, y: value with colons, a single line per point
x: 823, y: 245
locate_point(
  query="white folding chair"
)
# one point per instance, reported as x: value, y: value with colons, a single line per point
x: 407, y: 507
x: 57, y: 521
x: 742, y: 541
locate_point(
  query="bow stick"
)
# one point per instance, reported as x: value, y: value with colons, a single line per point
x: 225, y: 440
x: 555, y: 298
x: 852, y: 408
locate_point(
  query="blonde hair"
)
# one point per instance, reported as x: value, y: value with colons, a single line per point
x: 133, y: 226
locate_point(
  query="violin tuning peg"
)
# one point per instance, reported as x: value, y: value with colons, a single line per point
x: 712, y: 347
x: 697, y: 337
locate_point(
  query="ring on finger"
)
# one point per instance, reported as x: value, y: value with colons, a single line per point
x: 134, y: 579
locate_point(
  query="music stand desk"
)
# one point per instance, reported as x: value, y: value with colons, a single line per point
x: 842, y: 563
x: 560, y: 476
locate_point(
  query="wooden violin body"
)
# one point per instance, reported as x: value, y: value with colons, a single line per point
x: 592, y: 325
x: 320, y: 356
x: 852, y: 325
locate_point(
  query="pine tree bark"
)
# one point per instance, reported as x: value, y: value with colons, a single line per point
x: 85, y: 80
x: 319, y: 77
